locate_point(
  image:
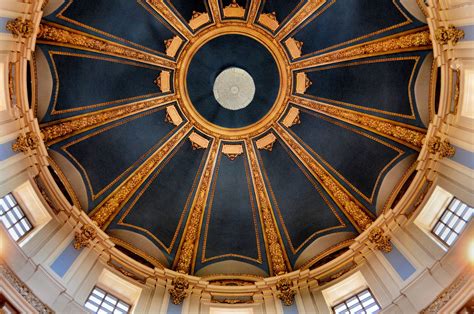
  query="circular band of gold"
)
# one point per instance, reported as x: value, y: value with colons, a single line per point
x: 182, y: 69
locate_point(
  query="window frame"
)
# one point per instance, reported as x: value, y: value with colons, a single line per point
x: 18, y: 221
x: 106, y: 294
x: 356, y: 295
x: 452, y: 230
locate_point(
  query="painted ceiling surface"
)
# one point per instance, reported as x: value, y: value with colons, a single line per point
x: 343, y: 95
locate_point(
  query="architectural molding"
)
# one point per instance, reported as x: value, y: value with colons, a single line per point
x: 303, y: 13
x: 162, y: 9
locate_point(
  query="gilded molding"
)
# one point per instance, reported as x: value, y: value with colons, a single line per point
x: 266, y: 142
x: 234, y: 10
x: 198, y: 142
x: 253, y: 11
x: 380, y: 240
x: 191, y: 231
x: 59, y: 35
x: 172, y: 116
x: 444, y: 35
x: 404, y: 134
x: 271, y: 233
x: 163, y: 81
x: 162, y: 9
x: 302, y: 82
x: 269, y: 20
x: 294, y: 47
x: 107, y: 210
x: 26, y: 142
x: 292, y: 118
x: 20, y: 27
x: 84, y: 237
x: 178, y: 291
x: 286, y: 294
x: 57, y: 132
x: 172, y: 45
x: 215, y: 11
x: 419, y: 39
x: 232, y: 151
x: 344, y: 199
x: 443, y: 148
x: 309, y: 8
x: 22, y: 289
x: 449, y: 293
x: 199, y: 19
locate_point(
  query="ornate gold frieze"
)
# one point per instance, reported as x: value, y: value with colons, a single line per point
x: 215, y: 10
x: 253, y: 11
x: 84, y: 237
x: 380, y: 240
x: 443, y: 35
x: 302, y: 82
x: 266, y: 142
x: 60, y: 35
x: 172, y: 116
x: 178, y: 292
x: 344, y: 199
x: 56, y: 132
x: 271, y: 233
x: 292, y: 118
x: 191, y: 231
x: 309, y: 8
x: 441, y: 147
x: 232, y: 151
x: 286, y: 294
x: 107, y: 210
x: 384, y: 46
x: 404, y: 134
x: 234, y: 10
x: 162, y: 9
x: 26, y: 142
x: 20, y: 27
x: 198, y: 19
x: 294, y: 47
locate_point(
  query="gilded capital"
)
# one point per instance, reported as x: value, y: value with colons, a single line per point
x: 451, y: 34
x: 84, y: 237
x: 441, y: 147
x: 381, y: 241
x: 178, y: 291
x: 286, y: 294
x: 25, y: 142
x: 20, y: 27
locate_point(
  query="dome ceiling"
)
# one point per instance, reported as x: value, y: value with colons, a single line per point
x: 125, y: 98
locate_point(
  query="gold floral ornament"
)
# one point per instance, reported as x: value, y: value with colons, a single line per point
x: 381, y: 241
x: 84, y: 237
x: 178, y: 292
x: 25, y: 142
x: 444, y: 148
x: 286, y: 295
x: 450, y: 34
x: 20, y: 27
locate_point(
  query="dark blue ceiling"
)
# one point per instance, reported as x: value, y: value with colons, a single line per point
x: 87, y: 83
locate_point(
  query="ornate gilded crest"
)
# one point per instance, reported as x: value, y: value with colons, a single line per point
x: 450, y: 34
x: 381, y: 241
x: 444, y: 148
x: 21, y: 28
x: 25, y: 142
x: 178, y: 292
x: 287, y: 296
x: 83, y: 238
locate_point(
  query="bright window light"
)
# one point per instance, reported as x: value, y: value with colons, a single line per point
x: 13, y: 217
x: 453, y: 221
x: 361, y: 303
x: 102, y: 302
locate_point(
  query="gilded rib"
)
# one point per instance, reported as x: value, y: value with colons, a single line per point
x: 109, y: 208
x: 344, y: 199
x: 405, y: 135
x: 61, y: 35
x: 59, y: 131
x: 419, y: 39
x: 162, y: 9
x: 303, y: 13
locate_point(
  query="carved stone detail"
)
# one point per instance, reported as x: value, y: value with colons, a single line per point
x: 381, y: 241
x: 346, y: 201
x: 410, y: 136
x: 86, y: 122
x: 84, y: 237
x: 451, y: 34
x: 71, y: 37
x: 192, y: 229
x: 109, y: 208
x: 443, y: 148
x: 25, y: 142
x: 286, y: 295
x: 419, y: 39
x: 178, y: 292
x: 23, y: 290
x: 20, y: 27
x: 277, y: 259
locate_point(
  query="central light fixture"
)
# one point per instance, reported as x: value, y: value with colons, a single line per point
x: 234, y: 88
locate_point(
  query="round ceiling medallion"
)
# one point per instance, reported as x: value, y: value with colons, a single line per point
x: 234, y: 88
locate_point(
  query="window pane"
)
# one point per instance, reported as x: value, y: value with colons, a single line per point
x: 362, y: 302
x: 13, y: 217
x: 99, y: 301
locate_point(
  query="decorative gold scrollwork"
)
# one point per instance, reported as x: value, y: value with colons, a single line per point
x: 178, y: 292
x: 286, y: 295
x: 444, y: 148
x: 84, y: 237
x: 381, y: 241
x: 25, y: 142
x: 450, y: 34
x: 20, y: 27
